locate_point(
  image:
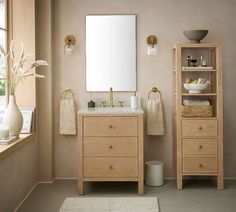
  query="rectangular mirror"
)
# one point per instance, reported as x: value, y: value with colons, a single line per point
x: 111, y: 52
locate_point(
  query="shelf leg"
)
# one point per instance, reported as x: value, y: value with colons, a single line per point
x: 220, y: 182
x: 140, y: 187
x: 179, y: 182
x: 80, y: 187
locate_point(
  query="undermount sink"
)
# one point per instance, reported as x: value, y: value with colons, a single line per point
x: 111, y: 110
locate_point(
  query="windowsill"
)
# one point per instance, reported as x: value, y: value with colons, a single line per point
x: 5, y: 150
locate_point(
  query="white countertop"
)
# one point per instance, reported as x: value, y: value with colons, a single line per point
x: 111, y: 110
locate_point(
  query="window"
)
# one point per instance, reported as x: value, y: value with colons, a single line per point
x: 3, y: 44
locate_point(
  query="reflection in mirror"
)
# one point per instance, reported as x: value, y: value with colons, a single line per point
x: 110, y: 52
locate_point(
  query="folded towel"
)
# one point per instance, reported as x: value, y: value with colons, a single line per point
x: 67, y: 116
x: 155, y: 123
x: 196, y: 102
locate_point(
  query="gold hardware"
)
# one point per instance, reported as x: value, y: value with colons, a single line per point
x: 103, y: 104
x: 152, y: 40
x: 70, y: 40
x: 67, y: 91
x: 120, y: 103
x: 154, y: 90
x: 111, y: 97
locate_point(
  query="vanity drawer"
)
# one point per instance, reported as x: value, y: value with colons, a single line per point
x: 198, y: 128
x: 110, y: 146
x: 199, y: 146
x: 199, y: 165
x: 110, y: 167
x: 110, y: 126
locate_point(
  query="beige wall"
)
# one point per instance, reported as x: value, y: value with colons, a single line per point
x: 44, y: 90
x: 166, y: 19
x: 23, y: 31
x: 18, y: 175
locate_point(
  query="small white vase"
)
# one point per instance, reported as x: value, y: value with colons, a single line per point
x: 13, y: 117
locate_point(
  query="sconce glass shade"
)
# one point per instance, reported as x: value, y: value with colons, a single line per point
x: 68, y: 49
x: 69, y: 44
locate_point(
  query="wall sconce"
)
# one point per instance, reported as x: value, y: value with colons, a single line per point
x: 69, y: 45
x: 152, y: 47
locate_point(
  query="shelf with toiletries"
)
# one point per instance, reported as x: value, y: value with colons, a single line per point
x: 197, y: 111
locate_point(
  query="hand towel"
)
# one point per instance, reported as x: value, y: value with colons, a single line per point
x: 195, y: 102
x: 155, y: 122
x: 67, y: 116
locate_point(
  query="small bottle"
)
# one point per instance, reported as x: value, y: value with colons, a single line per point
x: 134, y: 101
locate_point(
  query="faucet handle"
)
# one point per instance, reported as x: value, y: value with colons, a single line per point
x: 103, y: 104
x: 120, y: 103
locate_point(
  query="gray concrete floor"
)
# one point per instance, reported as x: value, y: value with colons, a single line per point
x: 197, y: 195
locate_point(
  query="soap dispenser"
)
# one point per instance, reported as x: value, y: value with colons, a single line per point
x: 134, y: 101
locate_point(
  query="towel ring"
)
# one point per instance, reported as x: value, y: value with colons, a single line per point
x: 67, y: 91
x: 154, y: 90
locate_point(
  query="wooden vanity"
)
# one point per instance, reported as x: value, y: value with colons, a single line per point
x: 110, y: 146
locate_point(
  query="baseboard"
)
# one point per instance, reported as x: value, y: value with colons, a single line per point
x: 66, y: 178
x: 230, y: 178
x: 31, y: 190
x: 48, y: 181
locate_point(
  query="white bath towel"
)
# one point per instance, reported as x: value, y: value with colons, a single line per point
x: 155, y: 122
x: 196, y: 102
x: 67, y: 116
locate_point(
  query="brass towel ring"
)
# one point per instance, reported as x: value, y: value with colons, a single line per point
x: 154, y: 90
x: 67, y: 91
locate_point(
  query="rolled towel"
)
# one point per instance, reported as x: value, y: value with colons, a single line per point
x: 196, y: 102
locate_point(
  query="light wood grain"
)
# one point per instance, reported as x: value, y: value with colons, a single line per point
x: 110, y: 167
x: 111, y: 149
x: 192, y: 128
x: 200, y: 164
x: 198, y: 142
x: 110, y: 146
x: 80, y: 155
x: 200, y: 146
x: 178, y: 117
x: 219, y: 81
x: 110, y: 126
x: 140, y: 156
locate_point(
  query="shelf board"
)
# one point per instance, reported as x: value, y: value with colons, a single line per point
x: 201, y: 118
x: 199, y: 94
x: 198, y: 70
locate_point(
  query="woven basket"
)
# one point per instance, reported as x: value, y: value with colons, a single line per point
x: 197, y: 111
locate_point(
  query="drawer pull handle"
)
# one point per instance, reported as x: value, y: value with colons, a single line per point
x: 200, y: 147
x: 110, y: 147
x: 200, y: 128
x: 200, y: 165
x: 110, y: 126
x: 111, y: 167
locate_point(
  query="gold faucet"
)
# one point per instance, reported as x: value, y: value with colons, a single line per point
x: 111, y: 97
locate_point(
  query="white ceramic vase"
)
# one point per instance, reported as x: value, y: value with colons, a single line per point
x: 13, y: 117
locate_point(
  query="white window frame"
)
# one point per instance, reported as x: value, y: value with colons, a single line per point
x: 6, y: 31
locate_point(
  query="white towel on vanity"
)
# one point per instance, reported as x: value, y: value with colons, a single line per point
x: 155, y: 122
x: 67, y: 116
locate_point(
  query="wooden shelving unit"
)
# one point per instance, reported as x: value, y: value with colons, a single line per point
x: 198, y: 142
